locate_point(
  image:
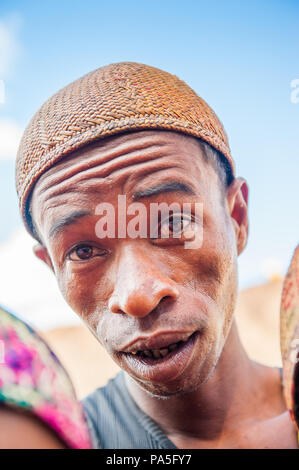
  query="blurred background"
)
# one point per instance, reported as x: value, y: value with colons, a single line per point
x: 241, y: 57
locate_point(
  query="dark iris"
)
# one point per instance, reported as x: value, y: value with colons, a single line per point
x: 84, y: 252
x: 176, y: 223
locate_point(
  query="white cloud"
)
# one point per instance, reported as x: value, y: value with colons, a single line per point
x: 28, y: 287
x: 10, y: 132
x: 9, y: 45
x: 10, y: 135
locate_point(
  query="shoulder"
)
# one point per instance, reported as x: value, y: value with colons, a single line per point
x: 113, y: 386
x: 112, y: 416
x: 101, y: 407
x: 116, y: 422
x: 272, y: 426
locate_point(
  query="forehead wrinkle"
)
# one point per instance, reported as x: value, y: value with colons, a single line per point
x: 59, y: 200
x: 80, y: 191
x: 83, y: 182
x: 51, y: 196
x: 52, y: 207
x: 110, y: 149
x: 152, y: 177
x: 121, y: 157
x: 46, y: 187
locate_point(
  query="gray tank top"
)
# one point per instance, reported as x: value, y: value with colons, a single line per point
x: 116, y: 422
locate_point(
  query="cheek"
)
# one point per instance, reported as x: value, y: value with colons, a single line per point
x: 89, y: 298
x: 85, y: 295
x: 214, y: 272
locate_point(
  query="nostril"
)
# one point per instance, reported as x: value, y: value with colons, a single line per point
x: 115, y: 309
x: 167, y: 299
x: 118, y: 310
x: 141, y: 301
x: 113, y: 305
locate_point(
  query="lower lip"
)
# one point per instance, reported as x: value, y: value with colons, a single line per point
x: 166, y: 368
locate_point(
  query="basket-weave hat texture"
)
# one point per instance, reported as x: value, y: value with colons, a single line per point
x: 111, y: 100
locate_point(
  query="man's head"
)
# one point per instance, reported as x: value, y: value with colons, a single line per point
x: 163, y: 312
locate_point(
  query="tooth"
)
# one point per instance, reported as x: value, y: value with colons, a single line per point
x: 173, y: 346
x: 147, y: 353
x: 156, y: 353
x: 164, y: 352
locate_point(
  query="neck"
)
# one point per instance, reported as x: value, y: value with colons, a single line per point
x: 231, y: 395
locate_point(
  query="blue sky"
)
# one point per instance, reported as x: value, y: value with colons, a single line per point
x: 240, y: 56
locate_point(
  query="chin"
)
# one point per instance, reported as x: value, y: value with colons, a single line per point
x: 190, y: 379
x: 181, y: 386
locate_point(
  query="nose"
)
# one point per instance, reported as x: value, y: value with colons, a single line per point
x: 139, y: 286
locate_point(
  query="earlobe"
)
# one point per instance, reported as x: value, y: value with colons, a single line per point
x: 42, y: 253
x: 237, y: 197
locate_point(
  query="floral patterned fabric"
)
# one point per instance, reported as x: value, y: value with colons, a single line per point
x: 31, y: 377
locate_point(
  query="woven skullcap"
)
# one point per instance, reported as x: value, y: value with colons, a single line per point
x: 111, y: 100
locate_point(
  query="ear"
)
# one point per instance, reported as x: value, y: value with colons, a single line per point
x: 237, y: 199
x: 41, y: 252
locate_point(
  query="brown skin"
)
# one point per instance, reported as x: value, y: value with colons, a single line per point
x: 129, y: 288
x: 22, y: 430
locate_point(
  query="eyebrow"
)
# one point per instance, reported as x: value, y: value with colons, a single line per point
x: 169, y: 186
x: 67, y: 220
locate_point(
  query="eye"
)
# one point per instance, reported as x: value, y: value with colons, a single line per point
x: 85, y: 252
x: 177, y: 226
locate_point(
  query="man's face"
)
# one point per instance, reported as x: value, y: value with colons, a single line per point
x: 162, y: 311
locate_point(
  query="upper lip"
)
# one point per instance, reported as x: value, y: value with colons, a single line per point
x: 157, y: 341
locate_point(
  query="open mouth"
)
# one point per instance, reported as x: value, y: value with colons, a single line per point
x: 164, y: 364
x: 160, y: 358
x: 155, y: 355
